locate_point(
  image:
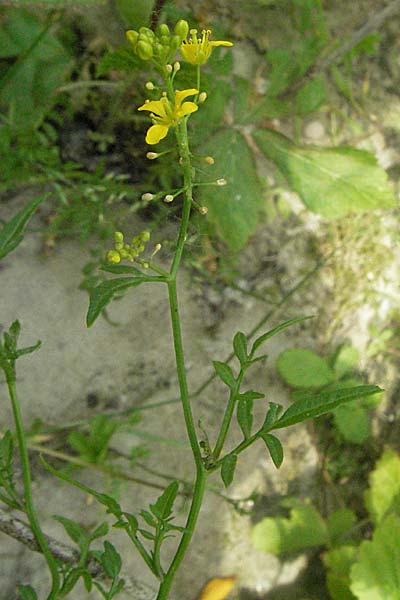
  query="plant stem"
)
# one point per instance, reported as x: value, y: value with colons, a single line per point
x: 228, y: 416
x: 199, y: 487
x: 26, y: 475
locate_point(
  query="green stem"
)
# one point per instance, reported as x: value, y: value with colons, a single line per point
x: 226, y: 421
x: 26, y: 475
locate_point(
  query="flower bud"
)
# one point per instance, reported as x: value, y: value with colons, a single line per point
x: 118, y: 246
x: 152, y: 155
x: 202, y: 96
x: 168, y: 68
x: 209, y: 160
x: 177, y: 66
x: 146, y: 33
x: 181, y: 28
x: 132, y: 37
x: 221, y: 182
x: 168, y: 198
x: 175, y: 42
x: 149, y: 85
x: 203, y: 210
x: 118, y: 236
x: 164, y: 39
x: 147, y: 197
x: 145, y: 236
x: 163, y: 29
x: 113, y: 257
x: 144, y: 50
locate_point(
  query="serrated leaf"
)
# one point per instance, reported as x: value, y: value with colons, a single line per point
x: 111, y: 560
x: 224, y: 372
x: 275, y: 448
x: 310, y: 408
x: 162, y: 509
x: 375, y: 574
x: 333, y: 182
x: 228, y: 467
x: 112, y: 505
x: 305, y: 528
x: 102, y: 295
x: 383, y: 495
x: 245, y: 416
x: 233, y: 209
x: 240, y: 347
x: 302, y: 368
x: 12, y: 233
x: 269, y: 334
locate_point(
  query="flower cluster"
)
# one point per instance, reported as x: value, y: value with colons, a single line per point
x: 160, y: 45
x: 128, y: 251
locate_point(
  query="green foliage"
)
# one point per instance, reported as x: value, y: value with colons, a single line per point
x: 103, y: 294
x: 111, y: 563
x: 275, y: 448
x: 228, y: 467
x: 26, y: 592
x: 333, y: 182
x: 383, y: 495
x: 40, y: 65
x: 224, y: 372
x: 12, y: 232
x: 8, y: 493
x: 135, y: 14
x: 303, y: 368
x: 93, y: 446
x: 9, y: 352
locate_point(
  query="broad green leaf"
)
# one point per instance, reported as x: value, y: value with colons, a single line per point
x: 275, y: 448
x: 353, y: 422
x: 12, y: 232
x: 228, y: 468
x: 163, y: 506
x: 245, y: 416
x: 333, y: 182
x: 102, y: 295
x: 233, y: 209
x: 346, y: 360
x: 240, y: 347
x: 269, y: 334
x: 383, y: 495
x: 376, y: 573
x: 111, y: 560
x: 315, y: 406
x: 224, y: 372
x: 304, y: 528
x: 311, y: 96
x: 339, y: 524
x: 302, y: 368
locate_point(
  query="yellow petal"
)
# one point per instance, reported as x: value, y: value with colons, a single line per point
x: 220, y: 43
x: 155, y: 106
x: 186, y: 109
x: 218, y: 588
x: 156, y: 133
x: 181, y: 95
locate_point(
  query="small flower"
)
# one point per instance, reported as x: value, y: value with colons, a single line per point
x: 149, y: 85
x: 221, y: 182
x: 151, y: 155
x: 147, y: 197
x: 209, y: 160
x: 166, y: 114
x: 168, y: 198
x: 202, y: 96
x: 197, y: 51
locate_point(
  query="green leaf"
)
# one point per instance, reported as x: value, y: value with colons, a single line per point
x: 12, y: 232
x: 315, y: 406
x: 26, y: 592
x: 135, y: 14
x: 346, y: 360
x: 303, y: 368
x: 111, y: 560
x: 228, y: 467
x: 240, y: 347
x: 162, y: 509
x: 383, y: 495
x: 266, y: 336
x: 275, y: 448
x: 99, y: 532
x: 73, y: 529
x: 250, y: 395
x: 274, y: 410
x: 305, y: 528
x: 311, y: 96
x: 122, y: 270
x: 122, y: 59
x: 375, y: 574
x: 339, y: 523
x: 102, y: 295
x: 132, y: 521
x: 224, y: 372
x: 339, y: 562
x: 148, y: 518
x: 333, y: 182
x: 353, y: 422
x: 245, y: 416
x: 233, y: 209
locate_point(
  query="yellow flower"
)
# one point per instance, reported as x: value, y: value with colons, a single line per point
x: 166, y: 114
x: 197, y: 51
